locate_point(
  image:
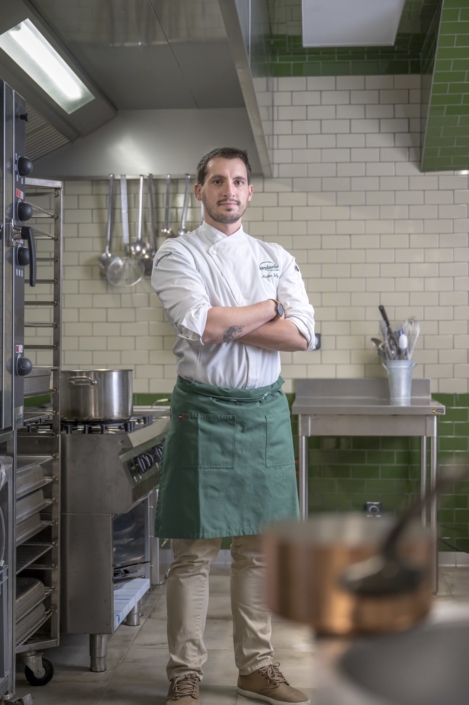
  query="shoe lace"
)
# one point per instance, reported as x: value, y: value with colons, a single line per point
x: 185, y: 685
x: 273, y: 674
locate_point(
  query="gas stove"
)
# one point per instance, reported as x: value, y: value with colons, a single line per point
x: 109, y: 467
x: 110, y: 472
x: 101, y: 427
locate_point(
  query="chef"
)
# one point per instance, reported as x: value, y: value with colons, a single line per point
x: 235, y: 303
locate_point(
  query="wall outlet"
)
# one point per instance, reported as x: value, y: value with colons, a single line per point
x: 373, y: 509
x: 318, y: 341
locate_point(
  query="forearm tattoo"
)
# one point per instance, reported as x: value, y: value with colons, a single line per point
x: 232, y: 333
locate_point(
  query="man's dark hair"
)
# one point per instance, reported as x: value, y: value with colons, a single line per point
x: 224, y: 153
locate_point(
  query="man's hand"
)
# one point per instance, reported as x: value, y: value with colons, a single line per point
x: 227, y: 323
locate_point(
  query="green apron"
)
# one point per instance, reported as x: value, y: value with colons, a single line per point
x: 228, y: 465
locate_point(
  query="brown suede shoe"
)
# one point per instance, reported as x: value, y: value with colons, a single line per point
x: 269, y: 684
x: 184, y: 690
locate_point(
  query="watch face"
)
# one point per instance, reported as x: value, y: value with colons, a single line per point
x: 280, y: 309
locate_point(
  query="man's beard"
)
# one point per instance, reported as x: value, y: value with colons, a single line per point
x: 225, y: 218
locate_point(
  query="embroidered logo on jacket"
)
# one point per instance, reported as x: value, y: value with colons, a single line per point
x: 269, y: 270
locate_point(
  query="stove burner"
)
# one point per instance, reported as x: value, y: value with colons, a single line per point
x: 102, y: 427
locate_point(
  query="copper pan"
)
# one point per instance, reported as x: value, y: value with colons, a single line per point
x: 306, y: 561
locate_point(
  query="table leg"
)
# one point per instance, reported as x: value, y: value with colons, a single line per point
x: 423, y: 476
x: 434, y: 503
x: 303, y: 476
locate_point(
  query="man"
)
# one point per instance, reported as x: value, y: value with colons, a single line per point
x: 228, y: 467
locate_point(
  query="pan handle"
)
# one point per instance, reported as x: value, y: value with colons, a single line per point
x: 83, y: 382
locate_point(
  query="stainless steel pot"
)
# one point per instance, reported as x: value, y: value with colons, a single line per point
x: 96, y: 395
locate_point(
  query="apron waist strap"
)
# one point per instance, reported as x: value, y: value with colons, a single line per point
x: 245, y: 396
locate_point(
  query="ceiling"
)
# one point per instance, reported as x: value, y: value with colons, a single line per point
x: 177, y: 54
x: 149, y: 54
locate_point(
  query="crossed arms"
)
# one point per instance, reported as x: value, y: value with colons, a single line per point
x: 255, y: 324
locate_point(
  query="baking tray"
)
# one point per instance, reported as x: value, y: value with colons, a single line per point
x: 37, y: 382
x: 29, y: 479
x: 28, y: 625
x: 26, y: 461
x: 29, y: 593
x: 29, y: 505
x: 29, y: 527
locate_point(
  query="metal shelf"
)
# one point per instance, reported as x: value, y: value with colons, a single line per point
x: 28, y: 553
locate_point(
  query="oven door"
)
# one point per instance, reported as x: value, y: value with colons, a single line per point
x: 131, y: 543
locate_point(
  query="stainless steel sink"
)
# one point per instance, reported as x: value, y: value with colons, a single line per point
x: 425, y: 666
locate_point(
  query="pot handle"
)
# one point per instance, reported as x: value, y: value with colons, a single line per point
x: 82, y: 382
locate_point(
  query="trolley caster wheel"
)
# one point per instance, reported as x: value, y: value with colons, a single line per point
x: 43, y: 680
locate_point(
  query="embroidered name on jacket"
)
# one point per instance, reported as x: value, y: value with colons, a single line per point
x: 168, y: 254
x: 269, y: 270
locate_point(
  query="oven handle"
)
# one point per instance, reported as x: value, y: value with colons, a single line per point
x: 82, y: 382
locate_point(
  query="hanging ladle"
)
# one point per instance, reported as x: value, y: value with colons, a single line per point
x: 386, y: 573
x: 166, y: 230
x: 139, y: 248
x: 106, y: 258
x: 183, y: 230
x: 150, y: 253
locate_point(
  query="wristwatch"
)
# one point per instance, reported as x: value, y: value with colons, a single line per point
x: 279, y: 309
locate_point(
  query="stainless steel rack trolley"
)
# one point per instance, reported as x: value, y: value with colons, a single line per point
x: 38, y: 461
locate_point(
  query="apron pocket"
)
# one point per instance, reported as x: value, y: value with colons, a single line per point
x: 279, y: 442
x: 216, y: 440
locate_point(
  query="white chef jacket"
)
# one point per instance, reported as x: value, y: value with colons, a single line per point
x: 207, y: 268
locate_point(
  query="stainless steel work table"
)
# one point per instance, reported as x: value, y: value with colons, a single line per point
x: 361, y: 407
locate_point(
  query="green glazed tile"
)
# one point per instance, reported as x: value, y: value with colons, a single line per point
x: 351, y: 486
x: 453, y: 502
x: 447, y: 515
x: 448, y: 27
x: 460, y: 110
x: 322, y: 486
x: 394, y: 471
x: 381, y: 487
x: 367, y: 472
x: 460, y: 515
x: 455, y: 530
x: 336, y: 501
x: 381, y: 457
x: 446, y: 99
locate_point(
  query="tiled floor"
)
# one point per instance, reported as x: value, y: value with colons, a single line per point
x: 137, y: 656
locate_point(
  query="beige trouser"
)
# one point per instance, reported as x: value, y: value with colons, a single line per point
x: 187, y: 599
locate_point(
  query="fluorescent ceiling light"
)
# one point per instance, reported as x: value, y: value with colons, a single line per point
x: 38, y: 58
x: 346, y: 23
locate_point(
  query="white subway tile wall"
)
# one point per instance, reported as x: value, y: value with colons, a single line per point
x: 347, y: 200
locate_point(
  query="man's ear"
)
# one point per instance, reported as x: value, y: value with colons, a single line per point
x: 197, y: 190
